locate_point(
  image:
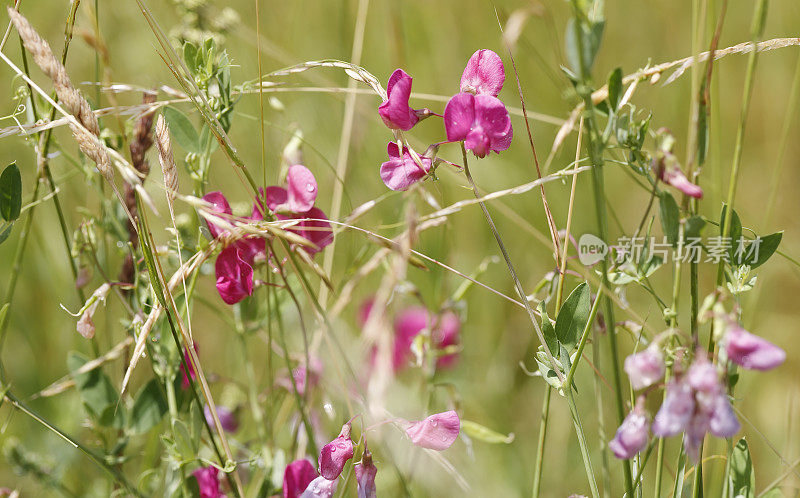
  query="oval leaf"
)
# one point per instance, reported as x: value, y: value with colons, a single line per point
x: 10, y: 193
x: 573, y: 316
x: 182, y: 130
x: 149, y: 408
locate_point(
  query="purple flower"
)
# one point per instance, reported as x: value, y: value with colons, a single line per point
x: 723, y: 422
x: 394, y: 111
x: 226, y: 418
x: 437, y: 432
x: 335, y: 454
x: 401, y: 171
x: 694, y: 433
x: 645, y: 368
x: 484, y: 74
x: 750, y: 351
x: 320, y: 488
x: 702, y: 375
x: 296, y: 478
x: 480, y: 121
x: 676, y: 410
x: 365, y: 476
x: 669, y: 171
x: 208, y: 482
x: 234, y: 275
x: 631, y: 437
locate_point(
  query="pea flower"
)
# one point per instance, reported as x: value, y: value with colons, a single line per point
x: 480, y: 121
x: 335, y: 454
x: 484, y: 74
x: 436, y: 432
x: 671, y: 174
x: 750, y: 351
x: 297, y: 202
x: 208, y: 482
x: 676, y: 410
x: 296, y: 478
x: 226, y: 418
x: 445, y: 335
x: 645, y: 368
x: 320, y: 488
x: 411, y: 322
x: 632, y: 435
x: 394, y: 111
x: 401, y: 171
x: 234, y: 275
x: 365, y: 476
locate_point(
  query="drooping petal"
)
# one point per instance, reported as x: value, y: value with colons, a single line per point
x: 645, y: 368
x: 219, y: 204
x: 723, y: 422
x: 234, y: 276
x: 296, y: 478
x: 395, y: 112
x: 437, y: 432
x: 751, y: 351
x: 400, y: 172
x: 676, y: 178
x: 484, y: 73
x: 459, y: 116
x: 675, y: 411
x: 226, y: 418
x: 208, y: 482
x: 302, y: 188
x: 335, y: 454
x: 365, y: 476
x: 320, y: 488
x: 631, y: 436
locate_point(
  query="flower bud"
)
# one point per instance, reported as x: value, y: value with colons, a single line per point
x: 335, y: 454
x: 646, y: 367
x: 750, y: 351
x: 365, y: 476
x: 437, y: 432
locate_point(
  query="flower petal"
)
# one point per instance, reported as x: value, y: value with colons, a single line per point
x: 317, y: 229
x: 437, y: 432
x: 399, y: 173
x: 296, y: 478
x: 335, y: 454
x: 491, y: 114
x: 751, y: 351
x: 219, y: 204
x: 302, y: 188
x: 234, y: 276
x: 395, y: 112
x: 484, y: 73
x: 320, y: 488
x: 459, y: 116
x: 275, y: 196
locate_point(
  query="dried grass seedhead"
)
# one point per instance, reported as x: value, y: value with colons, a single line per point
x: 167, y: 160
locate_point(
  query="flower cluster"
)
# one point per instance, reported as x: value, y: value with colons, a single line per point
x: 301, y: 480
x: 474, y: 116
x: 696, y: 400
x: 234, y: 265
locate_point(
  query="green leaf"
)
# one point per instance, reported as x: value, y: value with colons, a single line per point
x: 190, y: 56
x: 734, y: 230
x: 182, y: 130
x: 670, y: 217
x: 694, y: 226
x: 548, y: 331
x: 5, y: 232
x: 573, y: 316
x: 591, y: 35
x: 743, y: 479
x: 96, y: 390
x: 481, y: 433
x: 10, y: 193
x: 766, y: 248
x: 615, y: 88
x: 149, y: 408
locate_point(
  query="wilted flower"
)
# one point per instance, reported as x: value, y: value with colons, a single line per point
x: 320, y: 488
x: 750, y: 351
x: 436, y: 432
x: 208, y: 482
x: 335, y: 454
x: 484, y: 74
x: 296, y: 478
x: 226, y: 418
x: 631, y: 437
x: 675, y: 411
x: 85, y: 324
x: 480, y: 121
x: 394, y: 111
x: 401, y: 170
x: 645, y: 368
x: 365, y: 476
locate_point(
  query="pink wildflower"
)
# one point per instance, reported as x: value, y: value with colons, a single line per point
x: 414, y: 320
x: 484, y: 74
x: 436, y: 432
x: 365, y: 476
x: 296, y: 478
x: 394, y: 111
x: 480, y: 121
x: 750, y: 351
x: 632, y: 435
x: 320, y: 488
x: 645, y: 368
x: 401, y: 171
x: 335, y: 454
x: 234, y: 275
x: 208, y: 482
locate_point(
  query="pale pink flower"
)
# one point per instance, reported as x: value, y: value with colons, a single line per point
x: 484, y: 74
x: 632, y: 435
x: 394, y: 111
x: 320, y: 488
x: 645, y: 368
x: 676, y: 411
x: 365, y: 476
x: 401, y: 171
x: 480, y: 121
x: 335, y: 454
x: 436, y: 432
x: 296, y: 478
x: 751, y: 351
x: 669, y: 171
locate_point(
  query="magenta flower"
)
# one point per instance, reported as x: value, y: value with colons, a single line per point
x: 335, y: 454
x: 208, y: 482
x: 365, y: 476
x: 234, y: 275
x: 632, y: 435
x: 484, y: 74
x: 320, y: 488
x: 296, y: 478
x: 414, y: 320
x: 645, y: 368
x: 297, y: 202
x: 401, y: 171
x: 676, y: 411
x: 437, y: 432
x: 750, y: 351
x: 185, y: 383
x: 220, y: 205
x: 394, y: 111
x: 444, y: 335
x: 480, y: 121
x: 226, y: 418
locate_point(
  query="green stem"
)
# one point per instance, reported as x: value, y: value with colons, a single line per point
x: 537, y: 472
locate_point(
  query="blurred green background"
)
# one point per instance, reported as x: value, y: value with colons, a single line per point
x: 432, y: 41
